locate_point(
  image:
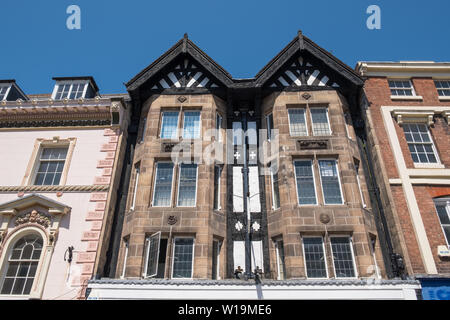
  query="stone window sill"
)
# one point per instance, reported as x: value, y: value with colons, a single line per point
x: 409, y: 98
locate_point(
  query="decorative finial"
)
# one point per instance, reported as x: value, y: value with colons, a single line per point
x: 300, y: 40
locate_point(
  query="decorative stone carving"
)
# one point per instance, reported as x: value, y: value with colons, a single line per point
x: 172, y: 220
x: 312, y: 144
x: 324, y: 218
x: 306, y: 96
x: 167, y: 147
x: 182, y: 99
x: 33, y: 217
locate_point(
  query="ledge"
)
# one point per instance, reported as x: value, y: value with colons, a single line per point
x: 231, y: 282
x: 67, y: 188
x: 409, y: 98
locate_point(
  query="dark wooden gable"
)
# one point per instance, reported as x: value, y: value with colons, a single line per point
x: 184, y: 68
x: 303, y: 64
x: 304, y: 71
x: 185, y: 73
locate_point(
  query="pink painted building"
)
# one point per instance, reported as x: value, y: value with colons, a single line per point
x: 59, y: 175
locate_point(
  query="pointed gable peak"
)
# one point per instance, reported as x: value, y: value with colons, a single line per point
x: 183, y: 65
x: 303, y: 63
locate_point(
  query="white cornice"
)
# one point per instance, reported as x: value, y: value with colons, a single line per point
x: 429, y: 69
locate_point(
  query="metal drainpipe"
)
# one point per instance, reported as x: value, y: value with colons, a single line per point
x: 248, y: 261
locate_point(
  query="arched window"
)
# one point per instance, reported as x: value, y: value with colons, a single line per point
x: 23, y: 260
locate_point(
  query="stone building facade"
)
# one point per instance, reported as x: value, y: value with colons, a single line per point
x: 406, y: 107
x: 195, y: 183
x: 61, y: 153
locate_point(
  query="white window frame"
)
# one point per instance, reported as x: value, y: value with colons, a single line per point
x: 268, y: 127
x: 358, y: 180
x: 306, y: 123
x: 37, y: 163
x: 339, y: 181
x: 330, y: 132
x: 177, y: 130
x: 136, y: 182
x: 196, y: 186
x: 6, y: 263
x: 353, y: 256
x: 171, y: 186
x: 126, y: 242
x: 8, y: 86
x: 277, y: 250
x: 219, y: 126
x: 199, y: 124
x: 433, y: 146
x: 173, y: 257
x: 71, y: 83
x: 314, y: 180
x: 441, y: 201
x: 413, y: 91
x: 144, y: 130
x: 147, y: 250
x: 324, y: 255
x: 273, y: 189
x: 219, y: 247
x: 444, y: 89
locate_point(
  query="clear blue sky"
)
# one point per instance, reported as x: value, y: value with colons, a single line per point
x: 119, y: 38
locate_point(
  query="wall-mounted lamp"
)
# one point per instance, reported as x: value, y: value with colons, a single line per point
x: 69, y: 250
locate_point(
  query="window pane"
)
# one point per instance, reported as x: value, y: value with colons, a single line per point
x: 188, y: 185
x: 217, y: 173
x: 237, y: 133
x: 330, y: 182
x: 153, y: 247
x: 269, y: 120
x: 163, y: 184
x: 218, y: 127
x: 342, y: 257
x: 275, y: 187
x: 443, y: 216
x: 20, y: 270
x: 182, y: 259
x: 314, y: 258
x: 305, y: 182
x: 400, y: 88
x: 320, y: 123
x: 7, y: 285
x: 297, y: 122
x: 169, y: 125
x: 191, y: 128
x: 419, y: 143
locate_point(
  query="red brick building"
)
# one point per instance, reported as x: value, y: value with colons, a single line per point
x: 406, y: 107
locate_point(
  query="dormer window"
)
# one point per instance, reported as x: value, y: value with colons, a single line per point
x: 74, y: 88
x: 10, y: 91
x: 70, y: 91
x: 4, y: 91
